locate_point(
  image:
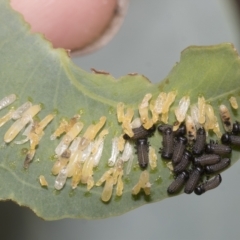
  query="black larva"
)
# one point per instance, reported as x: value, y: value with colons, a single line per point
x: 181, y: 131
x: 177, y: 184
x: 186, y: 159
x: 193, y: 180
x: 179, y: 147
x: 208, y: 185
x: 225, y: 162
x: 219, y: 149
x: 167, y: 144
x: 206, y: 159
x: 142, y: 147
x: 228, y: 138
x: 198, y: 146
x: 141, y: 132
x: 236, y: 128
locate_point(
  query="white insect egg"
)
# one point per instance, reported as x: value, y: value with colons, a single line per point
x: 136, y: 123
x: 61, y: 179
x: 68, y: 138
x: 114, y: 152
x: 6, y: 101
x: 195, y: 116
x: 182, y: 108
x: 127, y: 152
x: 19, y: 111
x: 74, y: 145
x: 129, y: 165
x: 98, y: 154
x: 86, y: 152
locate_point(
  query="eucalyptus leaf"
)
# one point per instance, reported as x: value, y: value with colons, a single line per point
x: 33, y: 70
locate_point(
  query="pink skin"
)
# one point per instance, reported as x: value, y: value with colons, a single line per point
x: 70, y: 24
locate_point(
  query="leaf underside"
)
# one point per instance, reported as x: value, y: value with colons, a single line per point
x: 32, y: 69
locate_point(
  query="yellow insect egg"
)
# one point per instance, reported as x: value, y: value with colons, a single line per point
x: 152, y: 158
x: 43, y: 123
x: 107, y: 190
x: 90, y: 183
x: 17, y: 126
x: 73, y: 160
x: 91, y: 133
x: 61, y: 162
x: 233, y: 102
x: 6, y: 117
x: 120, y: 112
x: 155, y: 116
x: 121, y: 143
x: 142, y: 182
x: 210, y: 117
x: 60, y: 130
x: 68, y: 138
x: 182, y: 108
x: 168, y: 101
x: 120, y: 185
x: 201, y: 108
x: 87, y: 170
x: 104, y: 177
x: 126, y: 123
x: 166, y: 105
x: 19, y: 111
x: 158, y: 107
x: 6, y: 101
x: 147, y: 188
x: 143, y: 110
x: 43, y: 181
x: 226, y: 118
x: 76, y: 178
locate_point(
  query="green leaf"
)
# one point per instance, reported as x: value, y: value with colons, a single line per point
x: 30, y: 68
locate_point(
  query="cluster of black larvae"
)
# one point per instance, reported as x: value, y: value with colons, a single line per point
x: 204, y: 158
x: 140, y: 137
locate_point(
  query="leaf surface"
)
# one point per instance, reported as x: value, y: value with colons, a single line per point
x: 32, y: 69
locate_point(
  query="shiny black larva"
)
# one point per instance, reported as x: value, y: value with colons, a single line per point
x: 224, y: 163
x: 193, y: 180
x: 178, y: 183
x: 236, y: 128
x: 199, y: 144
x: 185, y: 160
x: 141, y: 132
x: 219, y: 149
x: 208, y: 185
x: 228, y: 138
x: 142, y: 147
x: 206, y: 159
x: 179, y: 147
x: 167, y: 143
